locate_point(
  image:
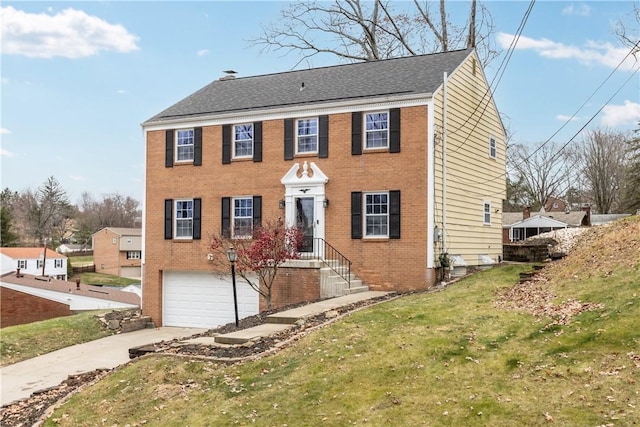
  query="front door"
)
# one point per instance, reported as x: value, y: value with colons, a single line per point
x: 305, y: 220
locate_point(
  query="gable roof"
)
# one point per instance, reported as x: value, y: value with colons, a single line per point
x: 420, y: 74
x: 122, y: 231
x: 29, y: 253
x: 560, y: 219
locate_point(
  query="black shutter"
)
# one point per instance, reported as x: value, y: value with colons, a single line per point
x: 394, y: 214
x: 226, y: 144
x: 197, y: 219
x: 323, y: 137
x: 394, y: 130
x: 168, y: 160
x: 226, y: 217
x: 257, y: 211
x: 356, y: 134
x: 288, y: 139
x: 257, y: 142
x: 356, y: 215
x: 168, y: 219
x: 197, y: 146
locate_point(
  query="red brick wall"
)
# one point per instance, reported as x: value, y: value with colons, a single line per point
x: 19, y: 308
x: 106, y: 254
x: 385, y: 264
x: 292, y: 286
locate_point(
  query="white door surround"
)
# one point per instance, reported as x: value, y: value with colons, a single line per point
x: 307, y: 181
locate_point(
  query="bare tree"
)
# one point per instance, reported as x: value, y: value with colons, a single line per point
x: 541, y: 171
x: 356, y: 30
x: 627, y: 32
x: 114, y: 210
x: 603, y: 162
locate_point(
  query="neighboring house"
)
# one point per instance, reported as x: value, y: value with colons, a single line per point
x: 26, y: 298
x: 118, y: 251
x: 70, y: 248
x: 388, y: 162
x: 555, y: 205
x: 32, y: 260
x: 522, y: 225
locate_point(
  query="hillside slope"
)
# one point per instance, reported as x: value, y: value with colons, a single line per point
x: 451, y: 358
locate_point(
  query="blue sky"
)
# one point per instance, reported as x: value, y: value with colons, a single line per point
x: 78, y: 78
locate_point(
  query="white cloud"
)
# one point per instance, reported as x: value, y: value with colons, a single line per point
x: 70, y: 33
x: 579, y: 10
x: 121, y: 91
x: 5, y: 153
x: 592, y: 53
x: 4, y: 80
x: 619, y: 115
x: 77, y: 178
x: 202, y: 52
x: 4, y: 131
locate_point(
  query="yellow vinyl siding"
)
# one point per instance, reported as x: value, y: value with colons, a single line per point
x: 472, y: 176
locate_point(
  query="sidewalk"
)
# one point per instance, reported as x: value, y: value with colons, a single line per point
x: 19, y: 380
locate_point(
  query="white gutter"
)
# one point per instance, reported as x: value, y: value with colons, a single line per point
x: 444, y: 164
x: 431, y: 185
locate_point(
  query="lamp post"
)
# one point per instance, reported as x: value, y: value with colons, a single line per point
x: 232, y: 256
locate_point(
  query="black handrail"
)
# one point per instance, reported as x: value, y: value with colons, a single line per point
x: 325, y: 253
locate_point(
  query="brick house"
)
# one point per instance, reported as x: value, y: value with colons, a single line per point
x: 390, y: 163
x: 32, y: 260
x: 118, y: 251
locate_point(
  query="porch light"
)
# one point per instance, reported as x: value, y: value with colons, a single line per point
x: 281, y: 204
x: 325, y: 203
x: 232, y: 254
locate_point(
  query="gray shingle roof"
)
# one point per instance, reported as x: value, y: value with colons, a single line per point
x: 421, y: 74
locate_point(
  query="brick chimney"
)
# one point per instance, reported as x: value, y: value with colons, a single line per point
x: 526, y: 213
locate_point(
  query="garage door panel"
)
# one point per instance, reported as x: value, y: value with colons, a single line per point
x: 204, y: 300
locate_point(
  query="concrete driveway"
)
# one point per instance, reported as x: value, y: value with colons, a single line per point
x: 19, y: 380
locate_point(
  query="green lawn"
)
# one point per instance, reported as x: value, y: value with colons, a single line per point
x: 449, y: 359
x: 106, y: 279
x: 23, y: 342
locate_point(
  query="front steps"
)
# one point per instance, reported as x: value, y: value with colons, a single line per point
x: 333, y: 284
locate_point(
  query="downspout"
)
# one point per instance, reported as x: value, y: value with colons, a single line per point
x: 444, y: 164
x: 431, y: 185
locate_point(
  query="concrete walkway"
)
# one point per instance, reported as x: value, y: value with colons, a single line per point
x: 20, y: 380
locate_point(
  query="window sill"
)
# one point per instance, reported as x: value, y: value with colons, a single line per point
x: 375, y: 150
x: 309, y: 154
x: 242, y: 159
x: 183, y: 163
x: 182, y: 240
x: 375, y: 239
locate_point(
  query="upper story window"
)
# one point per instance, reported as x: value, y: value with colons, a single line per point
x: 22, y: 263
x: 376, y: 130
x: 243, y: 140
x: 492, y: 147
x: 184, y: 145
x: 184, y: 219
x: 243, y: 217
x: 486, y: 219
x: 133, y: 254
x: 307, y: 135
x: 57, y: 263
x: 376, y: 212
x: 39, y: 263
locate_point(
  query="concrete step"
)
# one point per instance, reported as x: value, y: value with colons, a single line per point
x: 356, y: 290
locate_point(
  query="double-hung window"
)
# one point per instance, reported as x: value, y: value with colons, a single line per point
x: 184, y: 219
x: 377, y: 130
x: 57, y: 263
x: 376, y: 211
x: 307, y: 135
x: 492, y: 147
x: 243, y: 217
x: 22, y: 263
x: 184, y: 145
x: 486, y: 219
x: 39, y: 263
x: 133, y: 254
x: 243, y: 140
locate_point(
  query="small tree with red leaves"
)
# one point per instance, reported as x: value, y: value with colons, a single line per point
x: 261, y: 256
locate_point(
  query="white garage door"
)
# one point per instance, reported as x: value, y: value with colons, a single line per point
x: 204, y: 300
